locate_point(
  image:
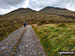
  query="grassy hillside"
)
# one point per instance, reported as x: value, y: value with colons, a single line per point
x: 13, y: 20
x: 57, y: 10
x: 7, y: 27
x: 46, y: 15
x: 56, y: 37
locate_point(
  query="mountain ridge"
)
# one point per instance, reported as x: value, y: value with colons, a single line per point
x: 48, y: 7
x: 48, y: 14
x: 45, y: 8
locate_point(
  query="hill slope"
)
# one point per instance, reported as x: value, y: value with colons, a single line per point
x: 46, y: 15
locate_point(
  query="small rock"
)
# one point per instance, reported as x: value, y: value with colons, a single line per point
x: 38, y: 40
x: 43, y: 55
x: 3, y: 48
x: 26, y: 45
x: 30, y: 53
x: 20, y: 55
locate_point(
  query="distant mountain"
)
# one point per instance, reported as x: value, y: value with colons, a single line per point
x: 55, y: 10
x: 48, y: 7
x: 59, y: 11
x: 21, y: 10
x: 46, y: 15
x: 24, y: 9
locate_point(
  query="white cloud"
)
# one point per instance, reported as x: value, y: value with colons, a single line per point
x: 25, y: 4
x: 4, y: 11
x: 6, y: 6
x: 70, y: 5
x: 39, y: 4
x: 9, y: 5
x: 43, y: 3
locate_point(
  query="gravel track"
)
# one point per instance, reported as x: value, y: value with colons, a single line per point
x: 22, y: 42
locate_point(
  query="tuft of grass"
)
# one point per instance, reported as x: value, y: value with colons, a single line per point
x: 6, y: 28
x: 56, y: 38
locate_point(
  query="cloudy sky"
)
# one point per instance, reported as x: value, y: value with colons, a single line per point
x: 9, y: 5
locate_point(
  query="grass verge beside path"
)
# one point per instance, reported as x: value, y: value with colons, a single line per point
x: 56, y: 37
x: 6, y: 28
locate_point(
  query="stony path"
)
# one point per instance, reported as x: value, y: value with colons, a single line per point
x: 23, y: 42
x: 7, y: 44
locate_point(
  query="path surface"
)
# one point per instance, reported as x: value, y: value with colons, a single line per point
x: 22, y: 42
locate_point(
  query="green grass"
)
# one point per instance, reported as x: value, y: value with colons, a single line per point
x: 6, y: 28
x: 59, y: 37
x: 13, y: 20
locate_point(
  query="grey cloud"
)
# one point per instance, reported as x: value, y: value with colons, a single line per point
x: 35, y: 4
x: 44, y: 3
x: 14, y: 2
x: 8, y: 3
